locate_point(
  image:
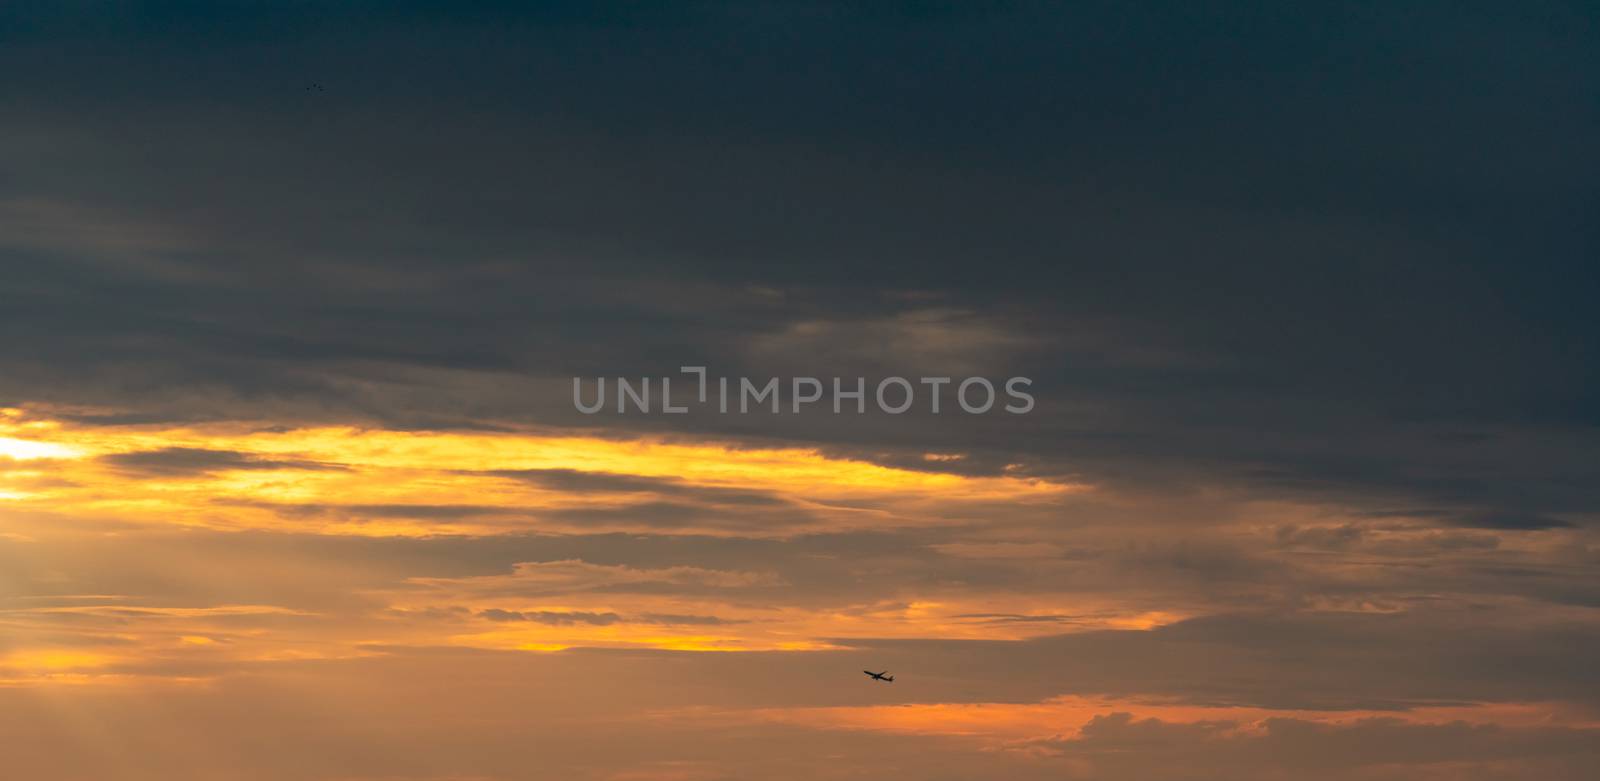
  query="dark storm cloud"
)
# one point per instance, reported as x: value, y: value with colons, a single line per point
x: 572, y: 480
x: 679, y: 515
x: 443, y: 513
x: 716, y: 509
x: 575, y: 480
x: 1322, y: 254
x: 1513, y: 521
x: 182, y: 461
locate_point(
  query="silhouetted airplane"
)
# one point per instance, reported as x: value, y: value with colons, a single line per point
x: 883, y: 676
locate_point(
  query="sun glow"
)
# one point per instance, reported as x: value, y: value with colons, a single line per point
x: 375, y: 482
x: 25, y: 450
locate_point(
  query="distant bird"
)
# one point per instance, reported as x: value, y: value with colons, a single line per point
x: 314, y: 88
x: 883, y: 676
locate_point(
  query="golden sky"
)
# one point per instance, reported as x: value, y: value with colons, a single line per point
x: 154, y: 564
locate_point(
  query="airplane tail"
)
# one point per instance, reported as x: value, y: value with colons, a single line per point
x: 889, y: 678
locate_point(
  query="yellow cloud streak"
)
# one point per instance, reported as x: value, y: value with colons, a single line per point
x: 347, y: 480
x: 373, y: 467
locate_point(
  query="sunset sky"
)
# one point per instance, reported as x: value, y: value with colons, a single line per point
x: 293, y: 486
